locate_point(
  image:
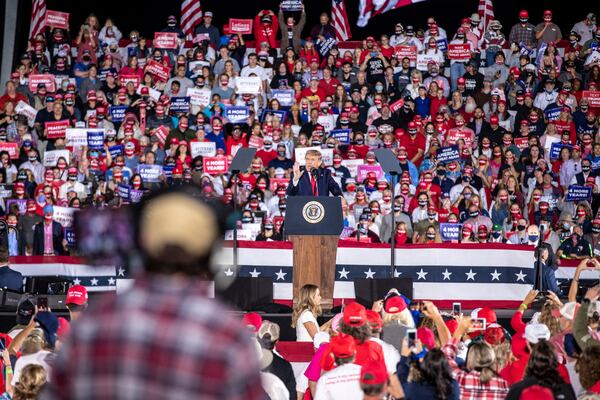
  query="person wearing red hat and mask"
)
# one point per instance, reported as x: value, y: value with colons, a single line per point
x: 414, y: 142
x: 523, y: 32
x: 547, y: 31
x: 76, y: 301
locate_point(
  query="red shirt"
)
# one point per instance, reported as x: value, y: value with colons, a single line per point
x: 413, y: 144
x: 330, y: 87
x: 315, y: 97
x: 266, y: 156
x: 8, y: 99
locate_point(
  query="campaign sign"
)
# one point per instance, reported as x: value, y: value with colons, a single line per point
x: 450, y: 232
x: 117, y: 113
x: 442, y: 44
x: 363, y: 170
x: 240, y: 26
x: 150, y: 173
x: 291, y: 5
x: 165, y: 40
x: 255, y: 142
x: 47, y: 79
x: 76, y: 137
x: 6, y: 191
x: 125, y: 79
x: 341, y: 135
x: 199, y: 97
x: 285, y: 97
x: 576, y: 193
x: 593, y: 96
x: 95, y: 139
x: 395, y: 106
x: 522, y: 143
x: 161, y: 72
x: 552, y: 113
x: 21, y: 204
x: 57, y: 19
x: 249, y: 85
x: 204, y: 149
x: 448, y: 154
x: 180, y: 104
x: 56, y: 129
x: 556, y: 148
x: 26, y: 110
x: 352, y: 165
x: 200, y: 37
x: 135, y: 195
x: 161, y: 133
x: 459, y: 51
x: 70, y: 237
x: 280, y: 114
x: 236, y: 114
x: 423, y: 61
x: 64, y: 216
x: 51, y: 157
x: 11, y: 148
x: 403, y: 51
x: 214, y: 165
x: 116, y: 150
x: 123, y: 191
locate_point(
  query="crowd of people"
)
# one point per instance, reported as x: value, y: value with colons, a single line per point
x: 496, y: 132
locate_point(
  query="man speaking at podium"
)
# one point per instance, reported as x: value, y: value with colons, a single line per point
x: 312, y: 180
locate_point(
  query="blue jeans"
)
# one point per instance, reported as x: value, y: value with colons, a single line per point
x: 456, y: 71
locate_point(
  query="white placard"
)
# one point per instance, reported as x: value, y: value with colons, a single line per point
x: 153, y: 93
x: 242, y: 234
x: 199, y: 97
x: 76, y: 137
x: 25, y: 109
x: 352, y: 166
x: 64, y: 216
x: 423, y: 60
x: 208, y: 149
x: 249, y: 85
x: 51, y: 157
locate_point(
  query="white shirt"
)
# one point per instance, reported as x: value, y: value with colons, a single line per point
x: 258, y: 70
x: 391, y: 356
x: 274, y: 387
x: 38, y: 358
x: 302, y: 334
x: 341, y: 383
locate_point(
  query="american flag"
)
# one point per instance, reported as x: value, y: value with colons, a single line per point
x: 38, y: 17
x: 339, y: 19
x: 191, y: 13
x: 486, y: 12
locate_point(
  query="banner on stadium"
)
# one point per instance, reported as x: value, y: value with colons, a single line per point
x: 56, y: 129
x: 214, y: 165
x: 57, y: 19
x: 236, y: 114
x: 368, y: 9
x: 205, y: 149
x: 240, y: 26
x: 165, y: 40
x: 47, y: 79
x: 285, y: 97
x: 577, y: 193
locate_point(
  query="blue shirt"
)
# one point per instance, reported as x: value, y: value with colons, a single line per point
x: 13, y: 244
x: 218, y: 139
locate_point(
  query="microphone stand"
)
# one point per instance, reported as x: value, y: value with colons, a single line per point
x: 393, y: 241
x: 235, y: 225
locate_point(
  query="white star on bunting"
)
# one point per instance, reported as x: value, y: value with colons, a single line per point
x: 255, y: 273
x: 111, y: 281
x: 76, y: 281
x: 228, y: 272
x: 281, y: 275
x: 121, y: 271
x: 369, y: 274
x: 471, y: 275
x: 397, y: 273
x: 343, y: 273
x: 446, y: 274
x: 496, y: 275
x: 94, y: 282
x: 422, y: 274
x: 521, y: 276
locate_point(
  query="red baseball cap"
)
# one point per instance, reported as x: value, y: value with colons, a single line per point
x: 494, y: 334
x: 374, y: 319
x: 144, y: 90
x: 355, y: 315
x: 342, y: 345
x: 494, y: 119
x: 77, y: 294
x: 524, y: 14
x: 253, y: 320
x: 536, y: 392
x: 426, y: 336
x: 394, y: 305
x: 485, y: 312
x: 373, y: 373
x: 461, y: 81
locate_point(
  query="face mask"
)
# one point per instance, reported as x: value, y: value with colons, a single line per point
x: 267, y: 146
x: 585, y: 168
x: 533, y: 238
x: 431, y: 216
x: 344, y: 121
x: 360, y: 141
x: 422, y: 203
x: 351, y: 188
x: 431, y: 236
x: 397, y: 208
x: 402, y: 157
x: 581, y: 213
x: 72, y: 178
x: 282, y: 207
x: 521, y: 228
x: 466, y: 179
x: 281, y: 153
x: 32, y: 159
x: 246, y: 220
x: 474, y: 214
x: 379, y: 88
x: 467, y: 196
x: 496, y: 234
x: 596, y: 229
x: 48, y: 218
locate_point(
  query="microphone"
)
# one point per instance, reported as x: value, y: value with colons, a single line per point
x: 314, y: 172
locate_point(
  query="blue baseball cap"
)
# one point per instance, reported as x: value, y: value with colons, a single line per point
x: 48, y: 209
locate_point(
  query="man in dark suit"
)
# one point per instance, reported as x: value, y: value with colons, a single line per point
x: 48, y: 236
x: 312, y: 180
x: 9, y: 278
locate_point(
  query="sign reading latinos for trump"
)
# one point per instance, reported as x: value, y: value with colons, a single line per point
x: 57, y: 19
x: 241, y: 26
x: 403, y: 51
x: 204, y: 149
x: 249, y: 85
x: 593, y: 96
x: 576, y: 193
x: 165, y: 40
x: 363, y: 171
x: 64, y: 216
x: 460, y: 52
x: 117, y: 113
x: 47, y: 79
x: 150, y: 173
x: 285, y: 97
x: 448, y: 154
x: 291, y: 5
x: 326, y: 155
x: 341, y: 135
x: 161, y: 72
x: 11, y: 148
x: 556, y: 148
x: 214, y: 165
x: 56, y: 129
x: 552, y: 113
x: 180, y: 104
x: 450, y: 232
x: 29, y: 112
x: 95, y: 139
x: 199, y: 97
x: 76, y: 137
x: 236, y: 114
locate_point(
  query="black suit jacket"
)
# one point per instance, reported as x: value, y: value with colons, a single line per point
x: 57, y: 238
x: 325, y: 185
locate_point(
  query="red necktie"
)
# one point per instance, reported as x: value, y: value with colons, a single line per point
x: 313, y: 183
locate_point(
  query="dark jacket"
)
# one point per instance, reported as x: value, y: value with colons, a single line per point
x: 11, y: 279
x: 296, y: 32
x: 325, y: 185
x: 419, y: 389
x: 283, y: 370
x: 57, y: 238
x: 563, y: 391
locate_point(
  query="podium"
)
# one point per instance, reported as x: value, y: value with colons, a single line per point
x: 313, y: 225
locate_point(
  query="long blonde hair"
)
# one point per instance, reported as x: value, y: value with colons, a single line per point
x: 33, y: 377
x: 481, y: 357
x: 306, y: 301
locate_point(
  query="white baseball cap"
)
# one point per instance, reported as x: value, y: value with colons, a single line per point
x: 536, y: 332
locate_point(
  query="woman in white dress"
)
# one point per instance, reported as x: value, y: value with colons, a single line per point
x: 306, y: 311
